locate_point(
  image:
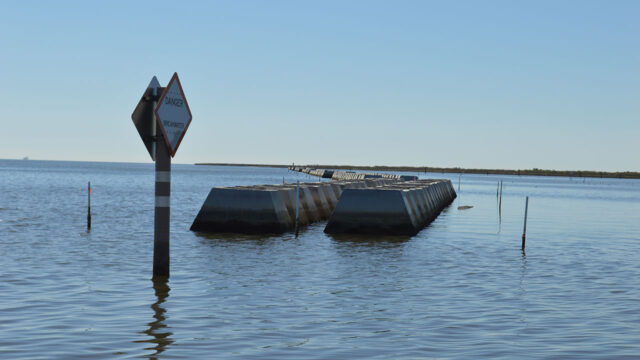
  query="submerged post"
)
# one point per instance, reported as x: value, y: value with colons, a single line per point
x: 162, y: 211
x: 89, y: 207
x: 297, y: 204
x: 459, y: 177
x: 524, y: 231
x: 500, y: 201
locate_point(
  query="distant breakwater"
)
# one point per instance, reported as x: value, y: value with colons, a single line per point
x: 456, y: 170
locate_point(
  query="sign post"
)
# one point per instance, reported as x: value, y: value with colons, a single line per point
x: 162, y: 212
x: 170, y: 114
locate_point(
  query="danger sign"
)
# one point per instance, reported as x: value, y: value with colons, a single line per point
x: 173, y: 114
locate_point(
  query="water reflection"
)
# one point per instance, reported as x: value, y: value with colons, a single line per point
x: 522, y: 291
x: 159, y: 332
x: 370, y: 240
x: 238, y: 237
x: 523, y: 270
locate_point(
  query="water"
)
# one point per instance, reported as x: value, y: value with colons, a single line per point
x: 459, y: 289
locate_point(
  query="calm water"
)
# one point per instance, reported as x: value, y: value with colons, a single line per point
x: 459, y: 289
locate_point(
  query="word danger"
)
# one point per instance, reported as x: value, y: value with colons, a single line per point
x: 173, y: 101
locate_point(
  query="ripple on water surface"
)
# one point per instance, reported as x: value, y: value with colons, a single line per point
x: 461, y: 288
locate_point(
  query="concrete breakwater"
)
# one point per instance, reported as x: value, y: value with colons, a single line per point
x: 272, y: 208
x: 402, y: 208
x: 378, y: 206
x: 323, y: 173
x: 350, y: 175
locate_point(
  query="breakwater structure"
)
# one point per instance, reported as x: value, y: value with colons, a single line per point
x: 401, y: 208
x: 350, y: 175
x: 272, y: 208
x: 351, y: 202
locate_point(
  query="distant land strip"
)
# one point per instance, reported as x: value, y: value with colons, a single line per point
x: 457, y: 170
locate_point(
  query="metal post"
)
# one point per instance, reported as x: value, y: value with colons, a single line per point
x: 459, y: 177
x: 89, y: 207
x: 524, y: 231
x: 297, y: 204
x: 162, y: 207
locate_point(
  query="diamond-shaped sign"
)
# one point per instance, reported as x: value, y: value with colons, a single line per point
x: 143, y: 114
x: 173, y: 114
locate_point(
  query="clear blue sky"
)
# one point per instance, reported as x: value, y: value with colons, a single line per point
x: 492, y: 84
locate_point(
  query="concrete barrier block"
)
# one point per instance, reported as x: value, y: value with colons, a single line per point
x: 359, y: 209
x: 419, y: 206
x: 252, y: 211
x: 309, y: 204
x: 330, y: 196
x: 290, y: 200
x: 337, y: 190
x: 319, y: 198
x: 328, y: 174
x: 401, y: 208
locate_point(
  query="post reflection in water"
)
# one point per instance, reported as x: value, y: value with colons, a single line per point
x: 158, y: 330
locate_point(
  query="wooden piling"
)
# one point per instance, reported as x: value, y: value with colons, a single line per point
x: 297, y: 205
x: 89, y: 206
x: 524, y: 230
x: 500, y: 201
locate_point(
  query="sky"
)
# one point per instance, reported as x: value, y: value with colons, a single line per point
x: 472, y: 84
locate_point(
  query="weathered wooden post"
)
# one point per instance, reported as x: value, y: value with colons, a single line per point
x: 170, y: 114
x: 297, y: 205
x: 500, y: 202
x: 524, y: 231
x: 89, y: 207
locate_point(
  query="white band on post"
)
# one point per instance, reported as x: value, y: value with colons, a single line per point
x: 162, y: 201
x: 163, y: 176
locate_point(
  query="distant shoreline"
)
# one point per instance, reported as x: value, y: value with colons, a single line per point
x: 421, y: 169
